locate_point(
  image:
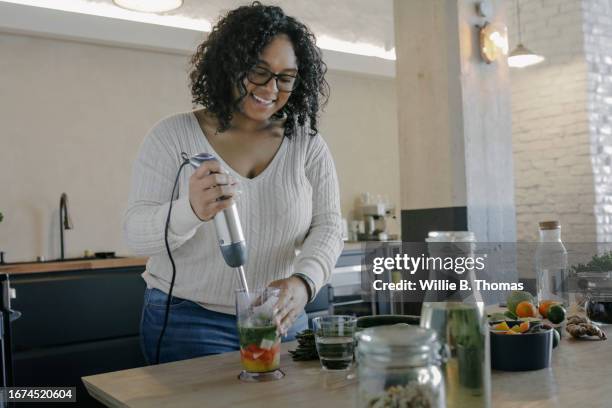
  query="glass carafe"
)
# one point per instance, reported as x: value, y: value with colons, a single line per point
x: 459, y: 319
x: 551, y: 265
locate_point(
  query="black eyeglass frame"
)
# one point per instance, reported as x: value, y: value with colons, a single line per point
x: 275, y: 76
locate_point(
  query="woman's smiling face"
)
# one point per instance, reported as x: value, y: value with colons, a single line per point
x: 263, y: 101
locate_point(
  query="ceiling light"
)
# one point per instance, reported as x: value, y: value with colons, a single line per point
x: 350, y: 47
x: 110, y: 10
x: 522, y: 56
x: 149, y: 6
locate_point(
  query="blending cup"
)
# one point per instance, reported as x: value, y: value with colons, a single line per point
x: 258, y: 334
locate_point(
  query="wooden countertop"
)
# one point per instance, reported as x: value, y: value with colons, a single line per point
x: 354, y: 245
x: 36, y: 267
x: 580, y: 375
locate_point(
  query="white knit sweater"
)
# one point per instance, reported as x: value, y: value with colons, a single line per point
x: 293, y: 204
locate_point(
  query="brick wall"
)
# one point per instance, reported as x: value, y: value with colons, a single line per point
x: 550, y: 122
x: 598, y: 51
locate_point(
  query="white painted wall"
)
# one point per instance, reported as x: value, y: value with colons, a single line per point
x: 73, y: 115
x: 598, y: 50
x: 360, y: 126
x: 550, y: 129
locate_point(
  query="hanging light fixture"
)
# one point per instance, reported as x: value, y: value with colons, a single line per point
x: 521, y: 56
x: 149, y: 6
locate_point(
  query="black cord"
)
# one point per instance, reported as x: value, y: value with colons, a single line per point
x: 167, y: 315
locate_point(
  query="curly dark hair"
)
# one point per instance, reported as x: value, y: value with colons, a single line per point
x: 233, y: 47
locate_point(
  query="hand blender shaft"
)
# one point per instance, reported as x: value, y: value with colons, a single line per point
x: 229, y: 231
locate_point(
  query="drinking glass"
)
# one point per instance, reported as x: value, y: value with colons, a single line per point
x: 259, y: 338
x: 334, y: 341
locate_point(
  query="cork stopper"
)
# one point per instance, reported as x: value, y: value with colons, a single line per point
x: 550, y: 225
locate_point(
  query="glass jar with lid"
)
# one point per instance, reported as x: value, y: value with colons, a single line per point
x: 551, y: 265
x: 399, y: 366
x: 596, y: 289
x: 599, y: 308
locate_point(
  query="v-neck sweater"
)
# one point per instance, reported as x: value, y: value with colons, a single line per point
x: 290, y: 215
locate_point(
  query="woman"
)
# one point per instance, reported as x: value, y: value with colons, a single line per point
x: 260, y: 80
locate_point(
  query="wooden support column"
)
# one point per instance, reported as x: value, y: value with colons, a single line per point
x: 455, y: 134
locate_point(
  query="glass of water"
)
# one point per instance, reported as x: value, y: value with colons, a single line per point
x: 334, y: 340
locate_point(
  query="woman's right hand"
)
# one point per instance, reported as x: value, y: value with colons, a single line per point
x: 211, y: 190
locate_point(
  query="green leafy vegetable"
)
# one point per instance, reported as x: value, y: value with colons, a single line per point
x: 255, y: 335
x: 602, y: 263
x: 306, y: 349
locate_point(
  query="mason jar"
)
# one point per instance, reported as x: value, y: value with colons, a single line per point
x: 599, y: 307
x: 399, y: 366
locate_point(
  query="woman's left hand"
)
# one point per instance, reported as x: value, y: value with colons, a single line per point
x: 293, y: 297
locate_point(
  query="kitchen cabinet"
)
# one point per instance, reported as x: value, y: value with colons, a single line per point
x: 351, y: 288
x: 343, y: 294
x: 76, y: 323
x: 348, y: 296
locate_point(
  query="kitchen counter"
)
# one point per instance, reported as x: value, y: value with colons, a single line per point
x: 354, y: 245
x: 79, y: 264
x: 580, y: 375
x: 94, y: 263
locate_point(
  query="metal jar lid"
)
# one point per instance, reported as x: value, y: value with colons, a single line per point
x: 400, y: 344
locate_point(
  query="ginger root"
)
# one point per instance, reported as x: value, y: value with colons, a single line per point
x: 578, y: 326
x: 575, y: 319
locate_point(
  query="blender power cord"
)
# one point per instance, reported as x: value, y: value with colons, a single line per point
x: 167, y: 226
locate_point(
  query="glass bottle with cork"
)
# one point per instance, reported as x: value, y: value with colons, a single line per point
x: 551, y: 265
x: 459, y: 319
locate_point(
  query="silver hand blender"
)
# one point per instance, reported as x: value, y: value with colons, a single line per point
x: 229, y: 231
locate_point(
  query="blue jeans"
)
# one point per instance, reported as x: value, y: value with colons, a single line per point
x: 192, y: 330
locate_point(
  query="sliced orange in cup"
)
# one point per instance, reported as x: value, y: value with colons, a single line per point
x: 503, y: 326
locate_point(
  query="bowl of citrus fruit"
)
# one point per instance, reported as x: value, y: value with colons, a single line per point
x: 523, y: 336
x: 521, y: 345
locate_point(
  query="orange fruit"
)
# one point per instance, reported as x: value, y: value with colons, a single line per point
x: 503, y: 326
x: 544, y: 305
x: 526, y: 309
x: 520, y: 328
x: 512, y: 332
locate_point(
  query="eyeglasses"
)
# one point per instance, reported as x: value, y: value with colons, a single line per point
x: 261, y: 76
